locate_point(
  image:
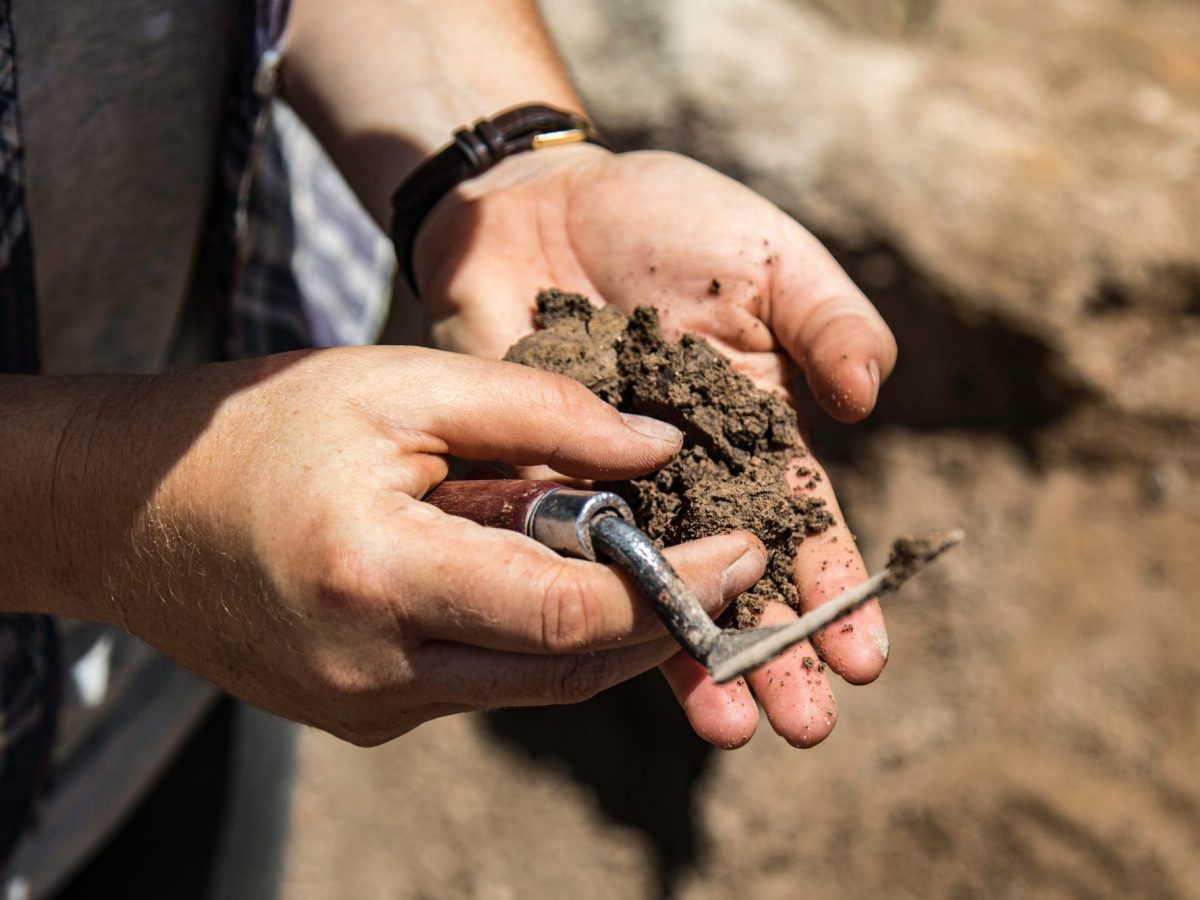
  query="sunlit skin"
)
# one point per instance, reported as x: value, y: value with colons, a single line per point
x: 658, y: 228
x: 261, y: 522
x: 384, y: 83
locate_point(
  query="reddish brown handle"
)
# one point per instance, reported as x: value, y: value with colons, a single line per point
x: 500, y: 503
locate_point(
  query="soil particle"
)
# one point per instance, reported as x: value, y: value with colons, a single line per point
x: 585, y: 348
x: 739, y: 441
x: 910, y: 554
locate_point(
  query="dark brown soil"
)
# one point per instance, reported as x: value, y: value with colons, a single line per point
x: 739, y: 442
x: 1036, y: 731
x: 911, y: 553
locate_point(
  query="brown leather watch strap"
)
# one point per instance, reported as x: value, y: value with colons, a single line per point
x: 472, y: 152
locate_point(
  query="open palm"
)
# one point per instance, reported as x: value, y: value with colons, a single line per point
x: 716, y: 259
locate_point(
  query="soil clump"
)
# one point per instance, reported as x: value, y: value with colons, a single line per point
x: 911, y: 553
x: 740, y: 442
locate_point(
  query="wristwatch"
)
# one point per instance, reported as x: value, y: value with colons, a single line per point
x: 473, y: 151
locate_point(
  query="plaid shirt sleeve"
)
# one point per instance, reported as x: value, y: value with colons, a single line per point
x: 307, y: 265
x: 301, y: 265
x: 29, y: 665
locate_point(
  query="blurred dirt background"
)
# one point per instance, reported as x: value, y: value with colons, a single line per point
x: 1016, y: 183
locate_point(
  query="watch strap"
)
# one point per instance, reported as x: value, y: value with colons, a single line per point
x: 473, y: 151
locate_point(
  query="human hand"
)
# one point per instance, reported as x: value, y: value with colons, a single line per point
x: 273, y: 539
x: 716, y: 259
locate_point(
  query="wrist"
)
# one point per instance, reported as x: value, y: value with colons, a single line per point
x: 54, y: 474
x: 529, y: 130
x: 144, y: 484
x: 382, y: 83
x: 527, y: 168
x: 450, y: 227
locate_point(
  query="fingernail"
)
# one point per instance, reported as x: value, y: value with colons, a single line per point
x: 873, y: 371
x: 873, y: 374
x: 879, y: 636
x: 653, y: 428
x: 743, y: 572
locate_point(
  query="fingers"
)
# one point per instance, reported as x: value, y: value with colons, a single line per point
x: 498, y: 590
x: 793, y: 689
x: 855, y: 646
x: 487, y: 679
x: 842, y: 359
x: 481, y: 262
x: 501, y: 412
x: 829, y: 327
x: 725, y: 715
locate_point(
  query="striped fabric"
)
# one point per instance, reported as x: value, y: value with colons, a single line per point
x: 18, y: 307
x: 309, y: 266
x: 29, y: 666
x: 301, y: 265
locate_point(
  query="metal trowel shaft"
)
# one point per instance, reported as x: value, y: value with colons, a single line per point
x: 598, y: 525
x: 593, y: 525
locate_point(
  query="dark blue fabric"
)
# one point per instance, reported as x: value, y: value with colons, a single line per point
x: 18, y: 299
x: 18, y: 307
x: 30, y: 679
x: 271, y: 326
x: 30, y: 664
x: 30, y: 672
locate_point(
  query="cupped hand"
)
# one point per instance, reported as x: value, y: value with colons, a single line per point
x: 716, y: 259
x: 274, y: 539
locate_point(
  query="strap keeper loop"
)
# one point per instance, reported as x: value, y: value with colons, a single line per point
x: 472, y: 152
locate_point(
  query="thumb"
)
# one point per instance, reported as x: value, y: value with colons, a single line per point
x: 830, y: 328
x: 490, y: 411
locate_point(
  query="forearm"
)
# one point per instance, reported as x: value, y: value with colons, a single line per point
x: 383, y: 83
x: 85, y: 463
x: 45, y: 430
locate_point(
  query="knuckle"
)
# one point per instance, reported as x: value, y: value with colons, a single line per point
x: 357, y: 735
x: 332, y: 688
x: 339, y: 575
x: 355, y: 707
x: 578, y: 678
x: 367, y: 731
x: 571, y: 614
x: 568, y: 396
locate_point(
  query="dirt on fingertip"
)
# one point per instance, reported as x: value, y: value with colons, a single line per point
x: 740, y: 442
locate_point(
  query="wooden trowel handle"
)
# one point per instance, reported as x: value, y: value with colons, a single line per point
x: 593, y: 525
x: 496, y: 503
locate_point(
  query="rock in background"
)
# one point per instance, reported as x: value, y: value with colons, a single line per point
x: 1028, y: 168
x: 1017, y: 186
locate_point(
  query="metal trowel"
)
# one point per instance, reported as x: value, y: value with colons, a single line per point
x: 599, y: 526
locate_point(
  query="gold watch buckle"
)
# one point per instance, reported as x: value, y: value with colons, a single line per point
x: 554, y: 138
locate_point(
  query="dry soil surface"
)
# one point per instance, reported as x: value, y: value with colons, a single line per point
x: 1035, y: 733
x: 1017, y: 185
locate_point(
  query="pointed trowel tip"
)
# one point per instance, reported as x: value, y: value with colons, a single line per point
x: 735, y: 653
x: 911, y: 554
x: 939, y: 542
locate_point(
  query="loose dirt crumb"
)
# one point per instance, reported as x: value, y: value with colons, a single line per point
x: 739, y: 441
x: 911, y: 553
